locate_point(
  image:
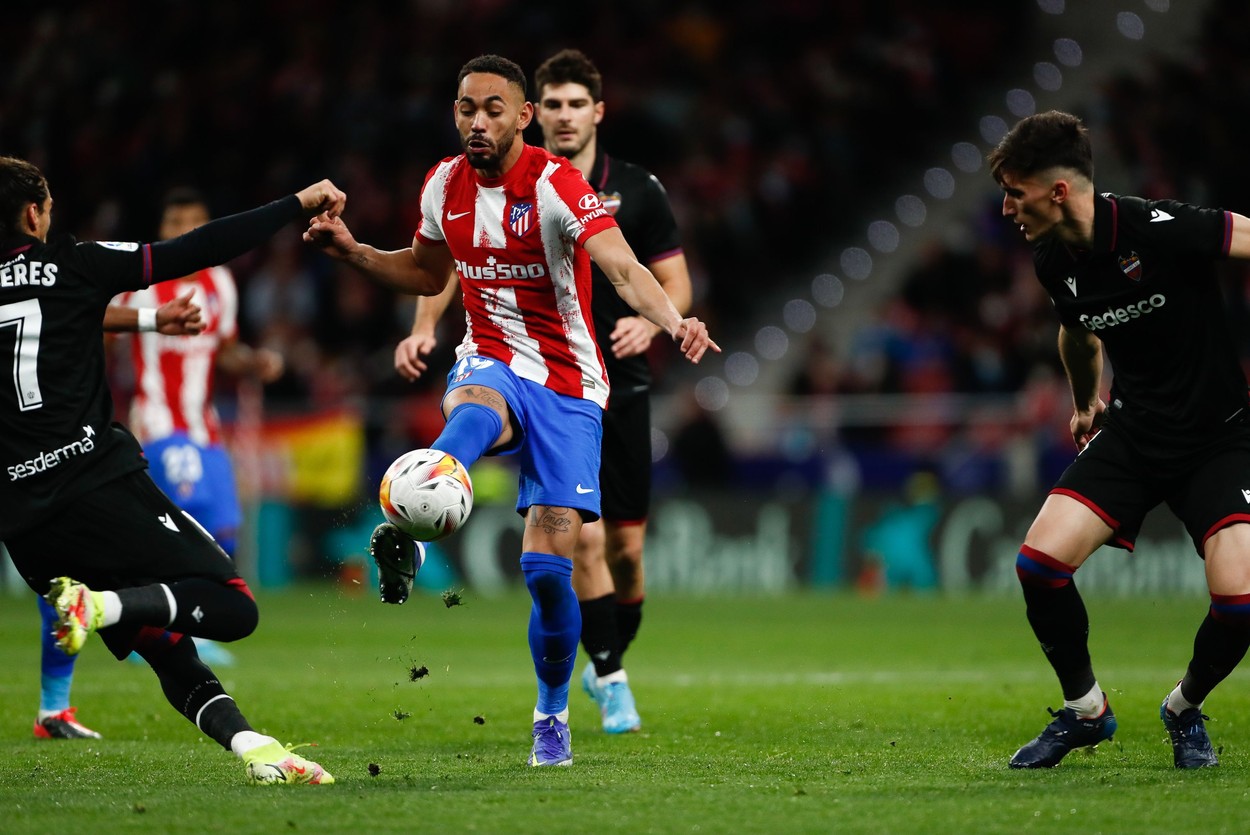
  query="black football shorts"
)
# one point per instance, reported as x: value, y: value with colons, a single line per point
x: 625, y: 463
x: 127, y: 533
x: 1206, y: 484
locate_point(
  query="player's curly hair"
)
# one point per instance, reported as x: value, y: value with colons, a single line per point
x: 1053, y: 139
x: 495, y: 65
x: 21, y: 183
x: 570, y: 66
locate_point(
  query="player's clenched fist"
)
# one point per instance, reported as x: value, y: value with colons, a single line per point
x: 323, y: 197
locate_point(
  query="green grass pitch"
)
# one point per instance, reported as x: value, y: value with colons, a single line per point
x: 808, y: 713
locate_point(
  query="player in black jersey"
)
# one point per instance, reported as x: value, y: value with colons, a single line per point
x: 82, y: 520
x: 1134, y: 277
x: 608, y: 566
x: 56, y: 717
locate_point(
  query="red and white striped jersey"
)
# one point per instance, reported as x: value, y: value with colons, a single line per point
x: 524, y: 275
x: 174, y: 374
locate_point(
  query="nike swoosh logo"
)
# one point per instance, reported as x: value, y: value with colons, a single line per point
x: 582, y: 489
x: 1158, y: 216
x: 456, y: 216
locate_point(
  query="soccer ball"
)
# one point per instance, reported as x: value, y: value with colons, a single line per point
x: 427, y: 494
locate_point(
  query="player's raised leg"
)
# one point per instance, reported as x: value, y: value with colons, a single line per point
x: 477, y: 420
x: 223, y: 611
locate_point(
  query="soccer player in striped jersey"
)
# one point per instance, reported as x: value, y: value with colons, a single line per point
x: 608, y: 571
x: 519, y: 226
x: 1135, y: 278
x: 172, y: 413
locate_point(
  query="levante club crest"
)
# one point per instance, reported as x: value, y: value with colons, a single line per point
x: 1131, y: 265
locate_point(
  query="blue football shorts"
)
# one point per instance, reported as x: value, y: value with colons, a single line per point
x: 558, y: 437
x: 198, y: 478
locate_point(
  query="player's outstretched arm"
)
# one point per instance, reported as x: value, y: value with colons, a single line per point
x: 639, y: 289
x: 225, y: 238
x: 412, y: 350
x: 632, y: 335
x: 420, y: 270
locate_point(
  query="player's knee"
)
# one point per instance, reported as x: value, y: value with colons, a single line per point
x: 1231, y: 610
x: 626, y: 570
x: 628, y: 554
x: 1035, y: 569
x: 590, y: 544
x: 247, y: 619
x: 244, y: 614
x: 624, y: 552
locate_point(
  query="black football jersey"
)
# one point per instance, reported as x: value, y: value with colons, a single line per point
x: 635, y: 198
x: 58, y: 439
x: 1148, y: 290
x: 57, y: 436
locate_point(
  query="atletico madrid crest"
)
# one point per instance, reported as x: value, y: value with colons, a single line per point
x: 520, y: 218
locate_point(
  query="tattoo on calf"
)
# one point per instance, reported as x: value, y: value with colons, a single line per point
x: 552, y: 520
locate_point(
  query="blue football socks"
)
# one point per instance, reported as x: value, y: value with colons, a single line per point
x: 554, y: 628
x: 55, y: 667
x: 471, y: 430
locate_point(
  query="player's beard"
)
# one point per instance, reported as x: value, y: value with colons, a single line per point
x: 571, y: 149
x: 493, y: 161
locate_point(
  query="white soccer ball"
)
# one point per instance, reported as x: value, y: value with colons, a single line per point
x: 427, y: 494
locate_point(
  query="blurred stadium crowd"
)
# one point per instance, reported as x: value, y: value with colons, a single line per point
x: 768, y: 123
x: 971, y: 318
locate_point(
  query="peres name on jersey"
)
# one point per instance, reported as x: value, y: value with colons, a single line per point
x: 23, y: 273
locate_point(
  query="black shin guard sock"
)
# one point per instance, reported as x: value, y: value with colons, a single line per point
x: 1219, y: 647
x: 1061, y: 624
x: 148, y: 605
x: 194, y: 691
x: 205, y: 608
x: 212, y: 609
x: 599, y: 634
x: 628, y: 619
